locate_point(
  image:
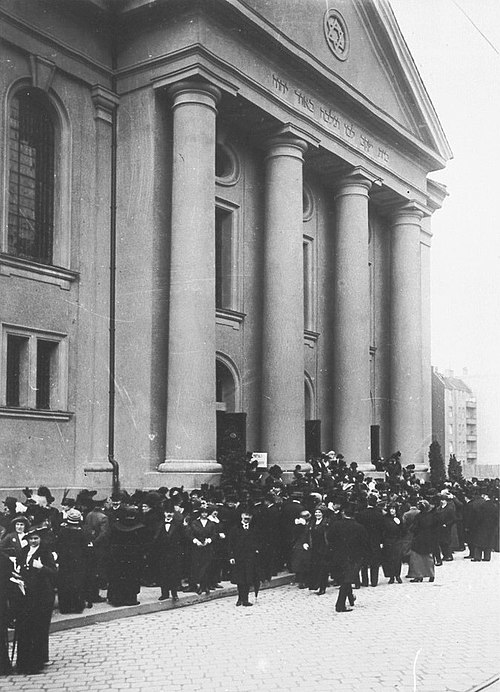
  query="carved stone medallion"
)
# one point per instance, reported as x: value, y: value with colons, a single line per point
x: 336, y: 34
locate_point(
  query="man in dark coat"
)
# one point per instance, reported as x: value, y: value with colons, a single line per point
x: 167, y: 550
x: 290, y: 510
x: 485, y: 526
x: 96, y: 527
x: 349, y: 546
x: 373, y: 521
x: 244, y: 555
x: 447, y: 516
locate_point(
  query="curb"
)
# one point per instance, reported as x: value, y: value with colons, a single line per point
x: 155, y: 607
x: 485, y: 685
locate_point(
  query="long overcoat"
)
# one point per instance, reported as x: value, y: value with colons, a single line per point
x: 349, y: 547
x: 167, y: 551
x: 201, y: 555
x: 484, y: 528
x: 127, y: 548
x: 74, y: 559
x: 33, y: 620
x: 244, y: 550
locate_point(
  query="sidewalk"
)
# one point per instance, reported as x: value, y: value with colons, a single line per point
x: 149, y: 603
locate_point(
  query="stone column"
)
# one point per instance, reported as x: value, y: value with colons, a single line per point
x: 425, y: 273
x: 406, y: 335
x: 191, y: 424
x: 351, y: 307
x: 283, y: 426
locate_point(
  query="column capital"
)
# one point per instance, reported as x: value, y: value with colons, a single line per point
x: 285, y: 145
x: 407, y: 214
x: 105, y: 102
x: 357, y: 181
x: 200, y: 93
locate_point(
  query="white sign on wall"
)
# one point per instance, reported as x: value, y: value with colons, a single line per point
x: 261, y: 458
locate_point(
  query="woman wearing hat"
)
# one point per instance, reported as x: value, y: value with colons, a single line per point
x: 16, y: 536
x: 425, y: 532
x: 73, y: 556
x: 392, y: 542
x: 319, y: 551
x: 39, y: 572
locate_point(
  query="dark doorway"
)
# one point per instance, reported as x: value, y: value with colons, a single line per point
x: 313, y: 438
x: 231, y: 434
x: 375, y: 442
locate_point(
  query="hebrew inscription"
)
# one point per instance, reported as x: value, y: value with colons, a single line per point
x: 330, y: 118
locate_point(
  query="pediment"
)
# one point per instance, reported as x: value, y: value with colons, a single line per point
x: 365, y: 53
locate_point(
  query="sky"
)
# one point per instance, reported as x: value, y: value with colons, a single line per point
x: 455, y: 45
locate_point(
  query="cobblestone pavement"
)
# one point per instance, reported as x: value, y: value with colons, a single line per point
x: 439, y: 637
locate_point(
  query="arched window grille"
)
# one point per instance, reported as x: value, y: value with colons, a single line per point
x: 31, y: 178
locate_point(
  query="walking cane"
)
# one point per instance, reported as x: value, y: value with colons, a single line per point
x: 14, y: 642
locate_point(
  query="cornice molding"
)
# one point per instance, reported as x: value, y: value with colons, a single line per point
x: 50, y: 41
x: 405, y: 60
x: 105, y: 102
x: 42, y: 72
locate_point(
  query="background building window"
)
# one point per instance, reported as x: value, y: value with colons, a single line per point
x: 31, y: 178
x: 35, y: 370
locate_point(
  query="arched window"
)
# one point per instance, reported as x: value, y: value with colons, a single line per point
x: 225, y: 388
x: 31, y: 177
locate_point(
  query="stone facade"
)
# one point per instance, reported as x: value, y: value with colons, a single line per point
x: 239, y: 183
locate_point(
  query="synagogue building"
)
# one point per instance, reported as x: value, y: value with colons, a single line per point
x: 215, y: 235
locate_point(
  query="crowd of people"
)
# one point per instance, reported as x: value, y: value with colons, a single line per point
x: 331, y: 525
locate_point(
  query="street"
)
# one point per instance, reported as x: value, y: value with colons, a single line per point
x: 411, y: 638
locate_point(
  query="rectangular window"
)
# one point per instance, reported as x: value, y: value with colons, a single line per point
x: 46, y: 378
x: 226, y: 259
x: 308, y: 279
x: 34, y: 374
x: 17, y: 370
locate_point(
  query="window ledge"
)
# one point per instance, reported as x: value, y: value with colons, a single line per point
x: 46, y: 273
x: 310, y: 338
x: 229, y: 318
x: 37, y: 414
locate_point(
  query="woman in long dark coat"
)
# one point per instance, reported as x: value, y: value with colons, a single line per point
x: 319, y: 551
x: 127, y: 549
x: 244, y: 556
x: 73, y: 554
x: 392, y: 550
x: 5, y: 589
x: 425, y: 530
x: 38, y: 570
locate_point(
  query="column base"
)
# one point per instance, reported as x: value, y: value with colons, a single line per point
x: 190, y: 473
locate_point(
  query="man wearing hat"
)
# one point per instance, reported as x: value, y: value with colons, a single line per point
x: 96, y: 527
x: 39, y: 572
x: 349, y: 547
x: 167, y: 550
x: 447, y: 517
x: 244, y: 552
